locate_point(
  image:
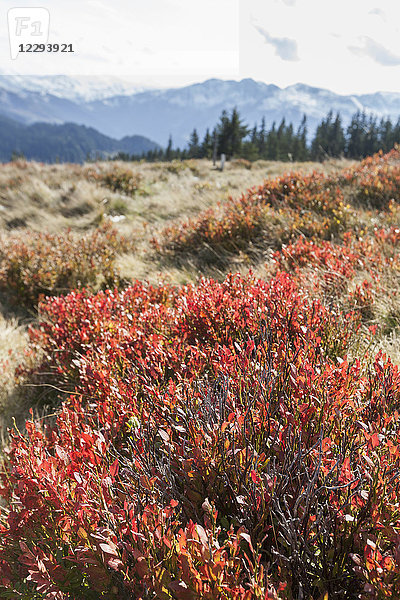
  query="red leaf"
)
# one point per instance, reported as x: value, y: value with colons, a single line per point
x: 114, y: 468
x: 326, y: 444
x: 374, y: 440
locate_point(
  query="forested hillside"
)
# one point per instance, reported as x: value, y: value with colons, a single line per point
x: 63, y: 143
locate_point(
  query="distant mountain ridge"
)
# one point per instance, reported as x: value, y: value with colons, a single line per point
x: 158, y: 113
x: 46, y: 142
x: 82, y: 88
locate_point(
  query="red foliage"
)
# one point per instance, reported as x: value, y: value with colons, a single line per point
x: 312, y: 205
x: 47, y: 264
x: 217, y: 443
x: 153, y: 484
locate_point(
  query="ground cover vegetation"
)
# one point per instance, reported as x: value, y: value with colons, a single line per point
x: 231, y: 436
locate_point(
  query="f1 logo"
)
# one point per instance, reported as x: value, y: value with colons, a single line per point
x: 27, y: 25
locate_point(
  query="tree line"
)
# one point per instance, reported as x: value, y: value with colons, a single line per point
x: 364, y: 136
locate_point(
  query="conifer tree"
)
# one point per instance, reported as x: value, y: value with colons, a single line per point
x: 262, y: 139
x: 396, y: 134
x: 371, y: 137
x: 223, y: 133
x: 206, y: 149
x: 386, y: 141
x: 364, y: 136
x: 272, y: 143
x: 238, y: 131
x: 355, y: 135
x: 254, y: 134
x: 300, y: 150
x: 194, y: 145
x: 336, y: 139
x: 168, y: 152
x: 231, y: 132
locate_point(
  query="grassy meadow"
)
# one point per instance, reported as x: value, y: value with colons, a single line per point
x: 39, y: 198
x: 201, y: 372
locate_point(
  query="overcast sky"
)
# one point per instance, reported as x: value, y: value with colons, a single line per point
x: 343, y: 45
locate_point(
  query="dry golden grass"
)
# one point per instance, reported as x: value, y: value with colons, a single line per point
x: 35, y: 195
x: 39, y: 197
x: 13, y: 341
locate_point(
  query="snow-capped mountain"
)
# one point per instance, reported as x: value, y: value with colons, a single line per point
x: 158, y: 113
x: 78, y: 89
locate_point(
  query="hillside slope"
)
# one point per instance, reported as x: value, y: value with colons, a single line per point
x: 67, y: 142
x: 237, y: 437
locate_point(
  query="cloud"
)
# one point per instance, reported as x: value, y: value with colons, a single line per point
x: 285, y: 48
x: 378, y: 12
x: 377, y: 52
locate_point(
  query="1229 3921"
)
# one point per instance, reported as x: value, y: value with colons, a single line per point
x: 46, y: 48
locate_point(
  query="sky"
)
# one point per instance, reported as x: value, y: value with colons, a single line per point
x: 347, y: 46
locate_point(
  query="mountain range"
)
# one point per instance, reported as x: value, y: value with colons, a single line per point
x: 46, y: 142
x: 117, y: 111
x: 81, y: 88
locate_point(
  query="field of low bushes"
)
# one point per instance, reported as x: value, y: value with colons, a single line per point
x: 233, y: 435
